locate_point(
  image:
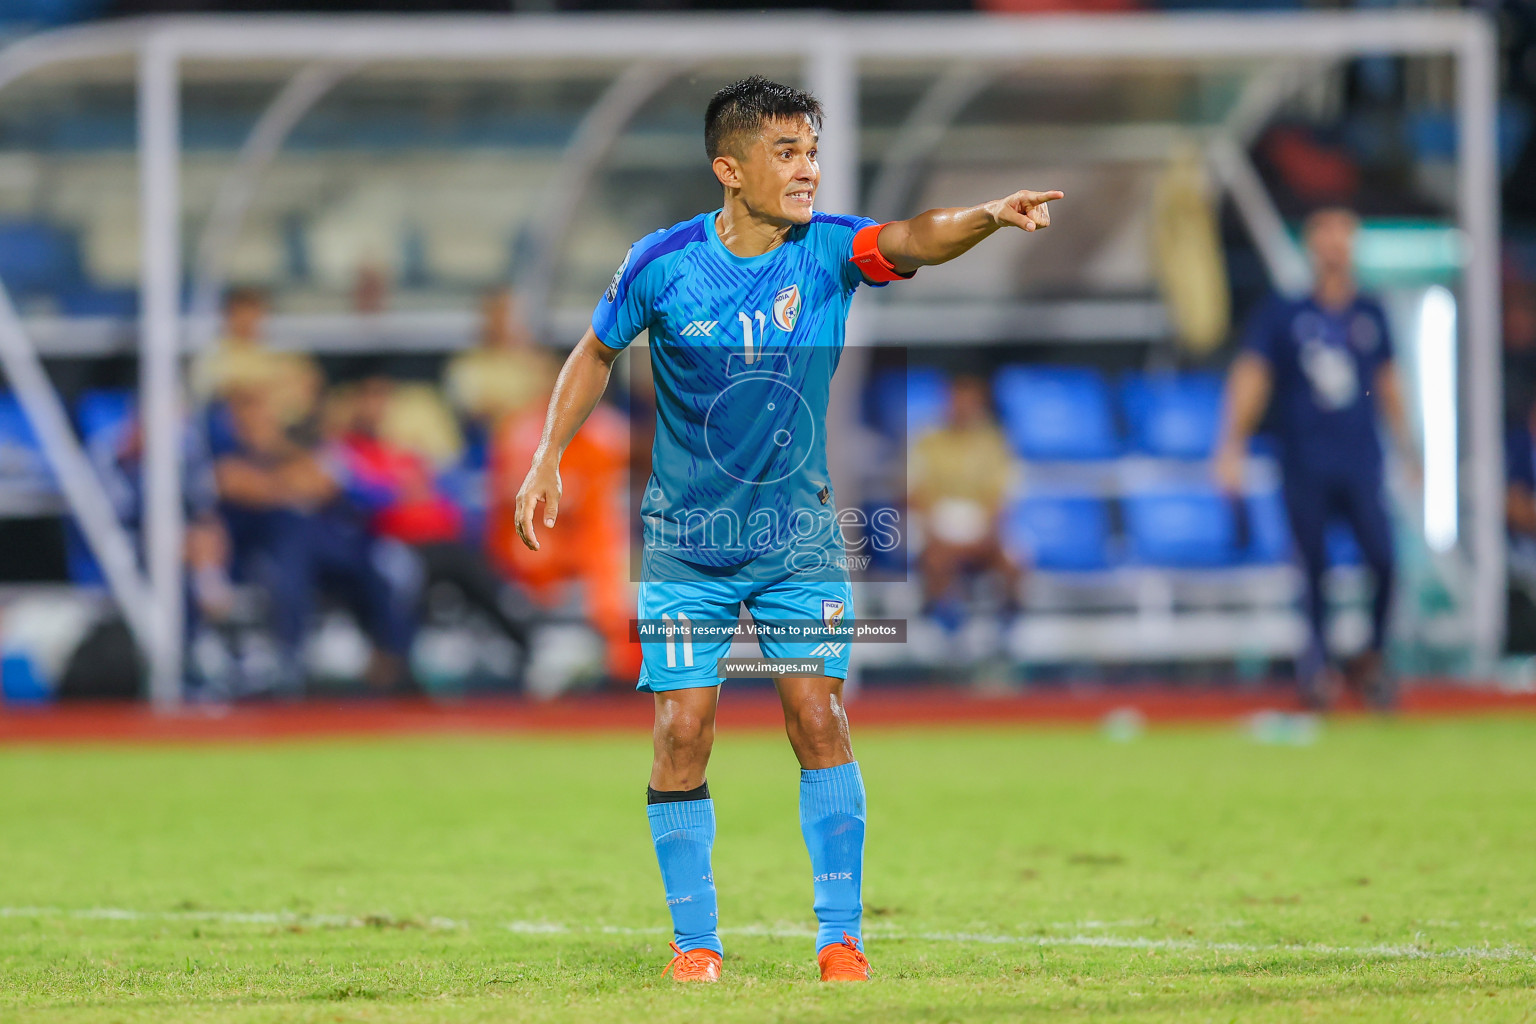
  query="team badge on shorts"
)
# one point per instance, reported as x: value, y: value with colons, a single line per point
x: 831, y: 613
x: 786, y: 308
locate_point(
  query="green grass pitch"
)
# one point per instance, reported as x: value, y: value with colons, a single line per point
x: 1385, y: 873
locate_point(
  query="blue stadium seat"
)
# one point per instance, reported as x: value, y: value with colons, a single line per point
x: 1269, y: 532
x: 103, y: 413
x: 87, y: 300
x: 21, y: 456
x: 1170, y: 415
x: 1433, y: 133
x: 37, y: 257
x: 906, y: 405
x: 1181, y: 529
x: 1066, y: 533
x: 1061, y: 413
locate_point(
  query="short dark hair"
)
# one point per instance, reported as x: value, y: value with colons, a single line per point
x: 244, y: 295
x: 743, y: 106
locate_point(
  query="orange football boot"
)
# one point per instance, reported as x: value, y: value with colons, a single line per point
x: 842, y: 961
x: 693, y: 965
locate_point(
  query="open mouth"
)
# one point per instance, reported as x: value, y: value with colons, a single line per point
x: 803, y: 196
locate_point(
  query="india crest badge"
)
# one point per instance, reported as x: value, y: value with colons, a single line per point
x: 786, y: 308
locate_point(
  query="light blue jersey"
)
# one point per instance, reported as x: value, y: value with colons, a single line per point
x: 743, y: 349
x: 739, y: 507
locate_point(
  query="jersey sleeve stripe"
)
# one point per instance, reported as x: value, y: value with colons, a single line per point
x: 605, y: 317
x: 841, y: 220
x: 668, y: 241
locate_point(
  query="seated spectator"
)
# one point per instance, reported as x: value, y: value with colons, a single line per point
x: 293, y: 535
x: 506, y: 373
x: 396, y: 489
x: 119, y: 457
x: 1519, y: 310
x: 241, y: 358
x: 418, y: 419
x: 587, y: 547
x: 960, y: 476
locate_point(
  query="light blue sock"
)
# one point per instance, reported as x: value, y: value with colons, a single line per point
x: 684, y: 834
x: 832, y: 821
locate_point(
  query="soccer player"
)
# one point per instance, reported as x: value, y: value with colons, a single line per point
x: 746, y: 307
x: 1323, y: 362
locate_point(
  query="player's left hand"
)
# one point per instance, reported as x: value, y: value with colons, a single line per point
x: 1025, y: 209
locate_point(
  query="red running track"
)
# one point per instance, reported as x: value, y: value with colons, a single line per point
x: 136, y: 723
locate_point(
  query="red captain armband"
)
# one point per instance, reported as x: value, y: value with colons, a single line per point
x: 866, y: 256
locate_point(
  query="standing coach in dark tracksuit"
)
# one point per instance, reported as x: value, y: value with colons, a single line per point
x: 1322, y: 365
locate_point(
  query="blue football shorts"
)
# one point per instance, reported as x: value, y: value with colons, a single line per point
x: 688, y: 660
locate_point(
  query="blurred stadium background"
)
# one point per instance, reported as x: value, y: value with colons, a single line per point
x: 369, y: 240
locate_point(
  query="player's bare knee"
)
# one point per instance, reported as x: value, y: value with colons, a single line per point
x: 685, y: 736
x: 818, y: 734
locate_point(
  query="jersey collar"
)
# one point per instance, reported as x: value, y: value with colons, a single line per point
x: 712, y: 237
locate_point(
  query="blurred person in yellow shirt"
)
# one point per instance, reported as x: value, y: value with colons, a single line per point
x: 960, y: 476
x: 241, y: 358
x: 506, y: 372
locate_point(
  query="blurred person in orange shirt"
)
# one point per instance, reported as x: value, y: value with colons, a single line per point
x: 589, y: 546
x: 961, y: 475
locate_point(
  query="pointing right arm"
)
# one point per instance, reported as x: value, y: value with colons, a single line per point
x: 580, y: 385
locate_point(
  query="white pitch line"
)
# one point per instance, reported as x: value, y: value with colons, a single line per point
x: 288, y: 917
x: 1090, y: 941
x: 277, y: 917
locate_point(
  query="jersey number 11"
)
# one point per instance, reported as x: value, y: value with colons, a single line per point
x: 746, y: 332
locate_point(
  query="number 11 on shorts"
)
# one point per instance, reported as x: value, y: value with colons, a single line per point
x: 683, y: 626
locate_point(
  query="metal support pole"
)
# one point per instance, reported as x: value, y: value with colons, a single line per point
x: 238, y: 188
x: 920, y: 134
x: 1227, y: 156
x: 1478, y: 212
x: 159, y: 373
x: 831, y: 72
x: 594, y: 138
x: 77, y: 478
x: 832, y: 75
x: 1288, y: 270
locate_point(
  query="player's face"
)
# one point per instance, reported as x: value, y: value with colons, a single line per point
x: 244, y: 318
x: 1331, y: 240
x: 967, y: 402
x: 778, y: 172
